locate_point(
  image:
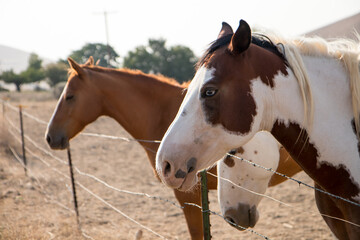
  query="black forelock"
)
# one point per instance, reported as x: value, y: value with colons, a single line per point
x: 257, y: 39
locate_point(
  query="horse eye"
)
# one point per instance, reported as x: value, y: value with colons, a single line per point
x: 210, y: 92
x: 69, y: 97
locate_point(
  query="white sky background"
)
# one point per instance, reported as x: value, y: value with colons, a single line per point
x: 53, y: 29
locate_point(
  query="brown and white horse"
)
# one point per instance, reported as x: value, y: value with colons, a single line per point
x: 305, y: 92
x: 241, y: 186
x: 145, y: 105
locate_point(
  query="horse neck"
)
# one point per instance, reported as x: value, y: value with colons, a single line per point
x: 329, y: 87
x: 143, y: 105
x: 329, y: 143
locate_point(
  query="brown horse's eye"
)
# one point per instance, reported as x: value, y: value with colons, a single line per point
x: 69, y: 97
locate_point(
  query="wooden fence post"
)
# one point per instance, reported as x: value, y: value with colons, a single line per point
x: 3, y: 115
x: 205, y: 205
x: 73, y: 187
x: 22, y: 139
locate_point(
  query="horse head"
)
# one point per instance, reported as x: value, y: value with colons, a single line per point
x: 220, y: 111
x: 241, y: 185
x: 76, y: 107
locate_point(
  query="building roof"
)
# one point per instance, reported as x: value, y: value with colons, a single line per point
x: 344, y: 28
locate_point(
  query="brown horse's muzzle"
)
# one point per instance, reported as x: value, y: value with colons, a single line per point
x: 57, y: 141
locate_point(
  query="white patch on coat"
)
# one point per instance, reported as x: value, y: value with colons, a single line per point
x: 331, y: 132
x: 246, y: 175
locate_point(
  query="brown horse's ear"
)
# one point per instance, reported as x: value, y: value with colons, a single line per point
x: 97, y: 62
x: 241, y: 39
x: 90, y: 61
x: 74, y: 65
x: 225, y: 30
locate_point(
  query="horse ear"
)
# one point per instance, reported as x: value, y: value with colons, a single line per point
x: 90, y: 61
x: 97, y: 62
x: 225, y: 30
x: 241, y: 40
x: 74, y: 65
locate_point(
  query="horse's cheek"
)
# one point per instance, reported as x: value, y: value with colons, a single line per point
x: 237, y: 112
x: 211, y: 109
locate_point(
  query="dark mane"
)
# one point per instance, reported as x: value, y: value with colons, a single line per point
x: 257, y: 39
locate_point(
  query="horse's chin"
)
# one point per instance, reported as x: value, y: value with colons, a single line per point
x: 62, y: 145
x: 189, y: 183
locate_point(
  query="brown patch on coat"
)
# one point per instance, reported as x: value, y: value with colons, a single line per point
x: 229, y: 161
x: 334, y: 179
x: 240, y: 150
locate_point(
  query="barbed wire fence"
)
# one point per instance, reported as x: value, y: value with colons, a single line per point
x: 15, y: 131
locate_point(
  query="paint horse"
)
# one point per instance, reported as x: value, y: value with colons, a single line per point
x: 306, y: 92
x: 143, y: 104
x: 238, y: 180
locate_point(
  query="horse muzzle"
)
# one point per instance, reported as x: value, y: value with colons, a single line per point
x: 244, y: 216
x: 181, y: 178
x: 57, y: 141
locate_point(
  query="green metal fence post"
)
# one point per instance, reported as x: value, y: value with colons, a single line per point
x: 205, y: 205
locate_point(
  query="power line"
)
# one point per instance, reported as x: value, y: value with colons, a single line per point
x: 105, y: 13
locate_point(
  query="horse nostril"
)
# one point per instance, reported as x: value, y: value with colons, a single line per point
x: 230, y: 220
x: 167, y: 168
x: 48, y: 139
x: 191, y: 164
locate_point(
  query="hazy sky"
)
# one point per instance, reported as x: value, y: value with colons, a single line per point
x: 53, y: 29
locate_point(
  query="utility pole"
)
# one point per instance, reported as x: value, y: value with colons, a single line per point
x: 105, y: 13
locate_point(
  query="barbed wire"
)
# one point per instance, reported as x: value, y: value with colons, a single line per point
x: 90, y: 192
x: 117, y: 189
x: 231, y: 155
x: 281, y: 202
x: 295, y: 180
x: 42, y: 189
x: 166, y: 200
x: 173, y: 203
x: 231, y: 223
x: 85, y: 133
x: 119, y: 138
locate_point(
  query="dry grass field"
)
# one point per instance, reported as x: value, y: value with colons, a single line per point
x: 39, y: 206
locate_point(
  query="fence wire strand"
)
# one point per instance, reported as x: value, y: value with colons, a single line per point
x: 93, y: 194
x: 48, y: 198
x: 301, y: 210
x: 87, y: 133
x: 295, y: 180
x: 157, y: 197
x: 117, y: 189
x: 231, y: 155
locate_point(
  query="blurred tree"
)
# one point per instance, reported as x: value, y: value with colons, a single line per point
x: 56, y: 72
x: 11, y: 77
x: 177, y: 62
x: 33, y: 73
x: 180, y: 63
x: 34, y: 61
x: 99, y: 51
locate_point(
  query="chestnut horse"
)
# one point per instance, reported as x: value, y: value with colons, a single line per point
x: 306, y: 92
x: 143, y: 104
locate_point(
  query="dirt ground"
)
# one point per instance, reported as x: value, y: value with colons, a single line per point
x: 40, y: 206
